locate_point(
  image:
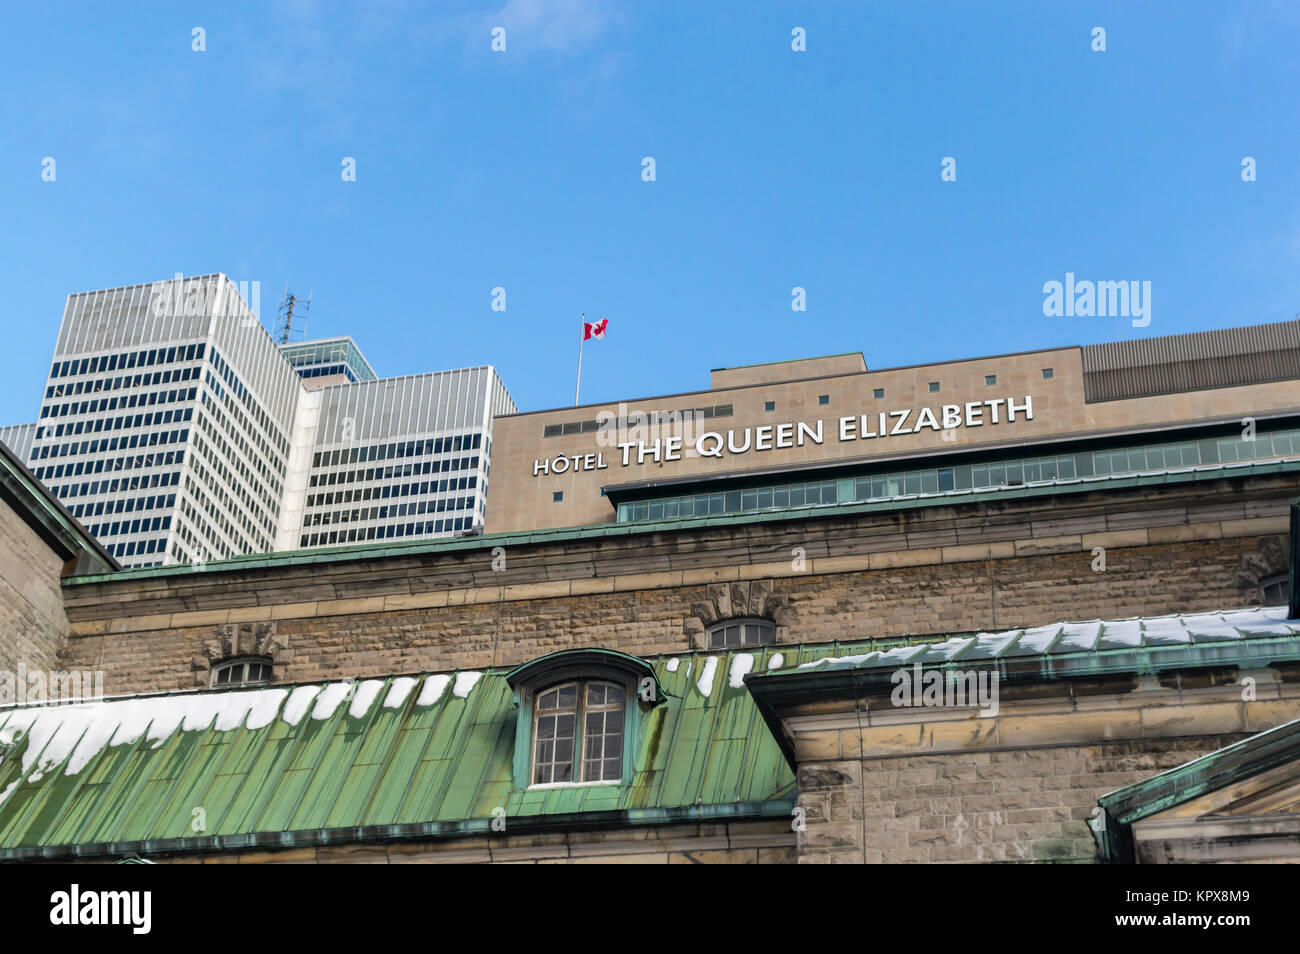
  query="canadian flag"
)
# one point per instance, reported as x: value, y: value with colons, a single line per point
x: 594, y: 331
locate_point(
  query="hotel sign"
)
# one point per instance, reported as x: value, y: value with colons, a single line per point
x: 639, y: 449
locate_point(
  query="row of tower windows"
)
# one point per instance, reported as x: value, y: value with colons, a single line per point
x: 111, y: 465
x: 130, y: 359
x: 98, y: 426
x: 220, y: 405
x: 73, y: 388
x: 363, y: 534
x: 245, y: 543
x: 432, y: 445
x: 359, y: 514
x: 398, y: 470
x: 267, y: 502
x: 246, y: 398
x: 124, y: 402
x: 361, y: 494
x: 139, y: 525
x: 124, y: 505
x: 89, y: 488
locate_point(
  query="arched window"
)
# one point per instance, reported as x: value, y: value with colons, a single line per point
x: 1275, y: 590
x: 741, y: 634
x: 578, y: 732
x: 581, y: 713
x: 244, y: 671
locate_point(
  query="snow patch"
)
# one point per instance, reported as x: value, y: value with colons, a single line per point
x: 299, y: 701
x: 329, y: 699
x: 434, y: 687
x: 831, y: 662
x: 73, y: 735
x: 465, y: 681
x: 776, y: 662
x: 364, y: 698
x: 397, y: 695
x: 741, y: 664
x: 705, y: 684
x: 265, y: 705
x: 673, y: 664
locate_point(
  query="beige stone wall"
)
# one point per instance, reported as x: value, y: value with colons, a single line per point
x: 518, y: 500
x: 1023, y: 805
x: 956, y: 569
x: 772, y: 371
x: 738, y: 842
x: 33, y: 625
x: 891, y: 786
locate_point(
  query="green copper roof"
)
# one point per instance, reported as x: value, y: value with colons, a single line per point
x: 1251, y: 638
x: 401, y: 757
x: 1141, y: 645
x: 1120, y: 809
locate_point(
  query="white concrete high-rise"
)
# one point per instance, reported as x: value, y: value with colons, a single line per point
x: 177, y: 430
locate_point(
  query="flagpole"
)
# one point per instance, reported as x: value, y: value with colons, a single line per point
x: 578, y: 385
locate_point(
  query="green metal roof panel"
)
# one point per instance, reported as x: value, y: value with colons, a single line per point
x: 374, y: 758
x: 1229, y: 765
x: 1093, y: 646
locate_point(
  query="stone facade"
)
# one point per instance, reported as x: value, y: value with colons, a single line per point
x: 33, y: 624
x: 1011, y: 805
x: 977, y: 566
x: 875, y: 784
x: 882, y: 784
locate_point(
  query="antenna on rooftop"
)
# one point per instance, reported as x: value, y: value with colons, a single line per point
x: 292, y: 320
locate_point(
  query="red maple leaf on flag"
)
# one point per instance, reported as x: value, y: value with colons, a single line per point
x: 594, y: 331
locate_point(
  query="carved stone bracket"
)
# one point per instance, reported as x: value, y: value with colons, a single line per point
x: 231, y: 640
x: 752, y: 598
x: 1270, y: 559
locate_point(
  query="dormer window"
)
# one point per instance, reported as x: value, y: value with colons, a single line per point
x: 578, y: 733
x: 579, y: 715
x: 245, y: 671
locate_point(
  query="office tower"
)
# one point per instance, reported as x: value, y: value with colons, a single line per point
x: 177, y: 430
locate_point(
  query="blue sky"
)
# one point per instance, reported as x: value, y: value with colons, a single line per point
x: 774, y: 169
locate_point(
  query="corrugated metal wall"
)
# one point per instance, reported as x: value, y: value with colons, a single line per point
x: 1255, y: 354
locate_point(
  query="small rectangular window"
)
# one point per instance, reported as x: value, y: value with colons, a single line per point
x: 769, y: 405
x: 557, y: 496
x: 990, y: 379
x: 1047, y: 373
x: 878, y: 393
x: 823, y: 399
x: 934, y: 386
